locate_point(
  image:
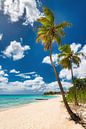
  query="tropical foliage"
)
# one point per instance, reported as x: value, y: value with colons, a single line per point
x: 68, y: 57
x: 81, y: 91
x: 49, y: 32
x: 52, y: 93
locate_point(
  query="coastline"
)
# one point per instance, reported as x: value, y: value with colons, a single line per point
x: 36, y: 100
x: 45, y: 114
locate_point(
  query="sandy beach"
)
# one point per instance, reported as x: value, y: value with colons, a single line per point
x: 46, y: 114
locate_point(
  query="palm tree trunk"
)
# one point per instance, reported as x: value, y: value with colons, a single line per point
x: 75, y: 92
x: 72, y: 115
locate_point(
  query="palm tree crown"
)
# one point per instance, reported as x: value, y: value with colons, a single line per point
x: 49, y: 32
x: 68, y: 57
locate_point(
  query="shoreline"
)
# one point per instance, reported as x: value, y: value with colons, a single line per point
x: 49, y: 114
x: 23, y: 104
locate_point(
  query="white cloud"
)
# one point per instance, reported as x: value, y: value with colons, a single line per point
x: 3, y: 79
x: 36, y: 85
x: 14, y: 71
x: 84, y: 50
x: 66, y: 85
x: 6, y: 75
x: 0, y: 67
x: 75, y: 46
x: 22, y: 75
x: 53, y: 86
x: 17, y: 8
x: 81, y: 71
x: 27, y: 86
x: 31, y: 73
x: 46, y: 59
x: 1, y: 36
x: 65, y: 73
x: 27, y: 75
x: 15, y: 50
x: 3, y: 76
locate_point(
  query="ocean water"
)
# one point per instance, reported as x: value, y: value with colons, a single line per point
x: 7, y: 101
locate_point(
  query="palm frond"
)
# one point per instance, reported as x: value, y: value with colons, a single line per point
x: 76, y: 60
x: 80, y: 53
x: 49, y: 14
x: 57, y: 38
x: 65, y: 48
x: 60, y: 32
x: 68, y: 57
x: 63, y: 25
x: 65, y: 62
x: 61, y: 55
x: 40, y: 37
x: 41, y: 31
x: 44, y: 21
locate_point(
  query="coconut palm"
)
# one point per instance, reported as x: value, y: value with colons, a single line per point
x: 48, y: 33
x: 68, y: 58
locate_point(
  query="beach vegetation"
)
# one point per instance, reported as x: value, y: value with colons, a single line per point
x: 80, y: 85
x: 52, y: 93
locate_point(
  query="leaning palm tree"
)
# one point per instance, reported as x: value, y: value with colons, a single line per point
x: 68, y: 58
x: 48, y: 33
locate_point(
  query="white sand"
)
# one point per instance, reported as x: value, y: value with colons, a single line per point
x: 47, y: 114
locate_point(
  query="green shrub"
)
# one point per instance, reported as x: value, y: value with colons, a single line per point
x: 80, y: 90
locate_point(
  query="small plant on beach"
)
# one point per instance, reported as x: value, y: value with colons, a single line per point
x: 68, y: 58
x: 48, y: 33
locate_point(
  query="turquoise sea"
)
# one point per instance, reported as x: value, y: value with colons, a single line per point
x: 7, y: 101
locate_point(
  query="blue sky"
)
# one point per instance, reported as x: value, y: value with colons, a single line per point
x: 24, y: 66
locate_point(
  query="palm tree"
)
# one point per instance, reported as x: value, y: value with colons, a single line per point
x: 48, y: 33
x: 68, y: 58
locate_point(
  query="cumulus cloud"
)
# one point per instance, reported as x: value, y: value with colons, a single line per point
x: 31, y: 73
x: 29, y: 85
x: 81, y: 71
x: 0, y: 67
x: 35, y: 85
x: 65, y: 73
x: 1, y: 36
x: 27, y: 75
x: 15, y: 50
x: 17, y: 9
x: 75, y: 46
x: 46, y: 59
x: 23, y: 75
x: 14, y: 71
x: 3, y: 76
x: 83, y: 50
x: 3, y: 79
x: 53, y: 86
